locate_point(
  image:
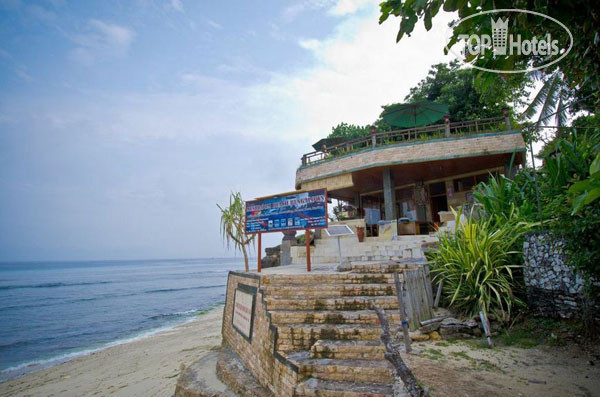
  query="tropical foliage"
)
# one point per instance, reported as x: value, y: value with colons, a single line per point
x: 458, y: 88
x: 349, y: 131
x: 232, y: 225
x: 475, y: 264
x: 580, y: 68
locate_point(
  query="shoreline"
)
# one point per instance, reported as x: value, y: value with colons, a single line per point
x: 147, y: 364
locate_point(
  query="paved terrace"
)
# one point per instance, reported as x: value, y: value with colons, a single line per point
x: 435, y: 152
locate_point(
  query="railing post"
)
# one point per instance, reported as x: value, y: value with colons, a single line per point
x: 447, y: 125
x: 373, y: 136
x: 304, y: 159
x: 506, y: 118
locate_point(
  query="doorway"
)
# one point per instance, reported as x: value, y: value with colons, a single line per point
x: 439, y: 201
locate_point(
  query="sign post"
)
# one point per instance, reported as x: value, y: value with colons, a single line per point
x: 286, y: 212
x: 259, y: 265
x: 307, y: 238
x: 339, y: 231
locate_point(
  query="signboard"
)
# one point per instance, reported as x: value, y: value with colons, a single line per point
x: 303, y: 210
x: 243, y: 310
x: 339, y: 230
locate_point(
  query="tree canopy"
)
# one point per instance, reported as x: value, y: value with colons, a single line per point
x: 458, y: 88
x: 580, y: 67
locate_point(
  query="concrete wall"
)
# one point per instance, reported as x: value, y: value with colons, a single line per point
x: 372, y: 249
x: 258, y: 355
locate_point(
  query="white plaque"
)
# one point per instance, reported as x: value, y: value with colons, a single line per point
x: 243, y: 312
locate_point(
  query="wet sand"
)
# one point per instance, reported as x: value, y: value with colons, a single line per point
x: 145, y: 367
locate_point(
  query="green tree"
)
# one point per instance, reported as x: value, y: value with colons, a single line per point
x: 459, y: 89
x: 580, y: 68
x: 348, y: 131
x: 232, y: 225
x: 466, y: 100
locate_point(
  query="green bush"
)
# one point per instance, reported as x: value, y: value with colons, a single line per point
x: 475, y: 263
x: 504, y: 199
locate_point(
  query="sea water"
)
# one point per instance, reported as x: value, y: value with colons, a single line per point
x: 53, y: 311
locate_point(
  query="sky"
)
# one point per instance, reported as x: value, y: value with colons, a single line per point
x: 124, y: 123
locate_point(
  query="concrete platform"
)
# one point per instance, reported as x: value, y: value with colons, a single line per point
x: 218, y: 374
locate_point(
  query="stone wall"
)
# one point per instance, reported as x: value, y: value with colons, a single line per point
x: 258, y: 354
x: 553, y: 289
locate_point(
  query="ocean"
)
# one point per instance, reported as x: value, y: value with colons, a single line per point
x: 53, y: 311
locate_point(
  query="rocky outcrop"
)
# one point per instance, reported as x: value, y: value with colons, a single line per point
x: 273, y: 257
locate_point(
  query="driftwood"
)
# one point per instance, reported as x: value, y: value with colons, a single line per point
x: 393, y: 356
x: 438, y: 294
x: 402, y: 310
x: 433, y: 320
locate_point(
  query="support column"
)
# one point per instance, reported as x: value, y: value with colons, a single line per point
x: 357, y: 202
x: 389, y: 195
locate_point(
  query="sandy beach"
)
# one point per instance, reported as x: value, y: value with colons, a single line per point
x: 145, y: 367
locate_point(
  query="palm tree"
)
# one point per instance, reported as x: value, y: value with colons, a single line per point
x: 551, y: 101
x: 232, y: 225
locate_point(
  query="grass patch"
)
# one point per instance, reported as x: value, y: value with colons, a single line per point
x: 533, y: 332
x: 461, y: 354
x: 483, y: 365
x: 433, y: 354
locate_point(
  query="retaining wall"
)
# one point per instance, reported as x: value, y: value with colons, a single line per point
x: 553, y: 288
x: 257, y: 353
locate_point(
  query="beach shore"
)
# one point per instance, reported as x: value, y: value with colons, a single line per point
x: 144, y: 367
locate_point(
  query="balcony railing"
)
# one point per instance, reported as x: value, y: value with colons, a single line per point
x: 445, y: 130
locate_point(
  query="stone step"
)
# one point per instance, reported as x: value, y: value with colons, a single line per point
x: 327, y: 290
x: 381, y: 267
x: 328, y: 278
x: 367, y: 317
x: 342, y: 303
x: 302, y: 336
x: 372, y: 371
x: 314, y: 387
x: 348, y: 350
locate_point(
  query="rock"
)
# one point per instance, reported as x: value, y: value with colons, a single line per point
x: 455, y: 328
x: 273, y: 257
x: 419, y: 337
x: 434, y: 326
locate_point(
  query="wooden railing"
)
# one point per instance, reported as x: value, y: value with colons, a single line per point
x: 445, y: 130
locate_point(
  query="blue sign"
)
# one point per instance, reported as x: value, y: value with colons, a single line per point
x: 305, y: 210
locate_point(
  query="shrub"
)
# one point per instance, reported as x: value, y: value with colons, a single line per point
x: 475, y: 265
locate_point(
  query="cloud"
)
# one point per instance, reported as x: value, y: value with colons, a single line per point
x: 131, y: 172
x: 213, y: 24
x: 292, y: 11
x: 5, y: 54
x: 177, y: 5
x: 101, y: 40
x: 335, y: 7
x: 346, y: 7
x: 41, y: 13
x: 309, y: 44
x: 23, y: 74
x: 355, y: 70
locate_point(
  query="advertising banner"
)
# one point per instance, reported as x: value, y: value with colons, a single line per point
x: 303, y: 210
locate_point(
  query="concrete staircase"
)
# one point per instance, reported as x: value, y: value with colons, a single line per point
x: 325, y: 250
x: 327, y: 328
